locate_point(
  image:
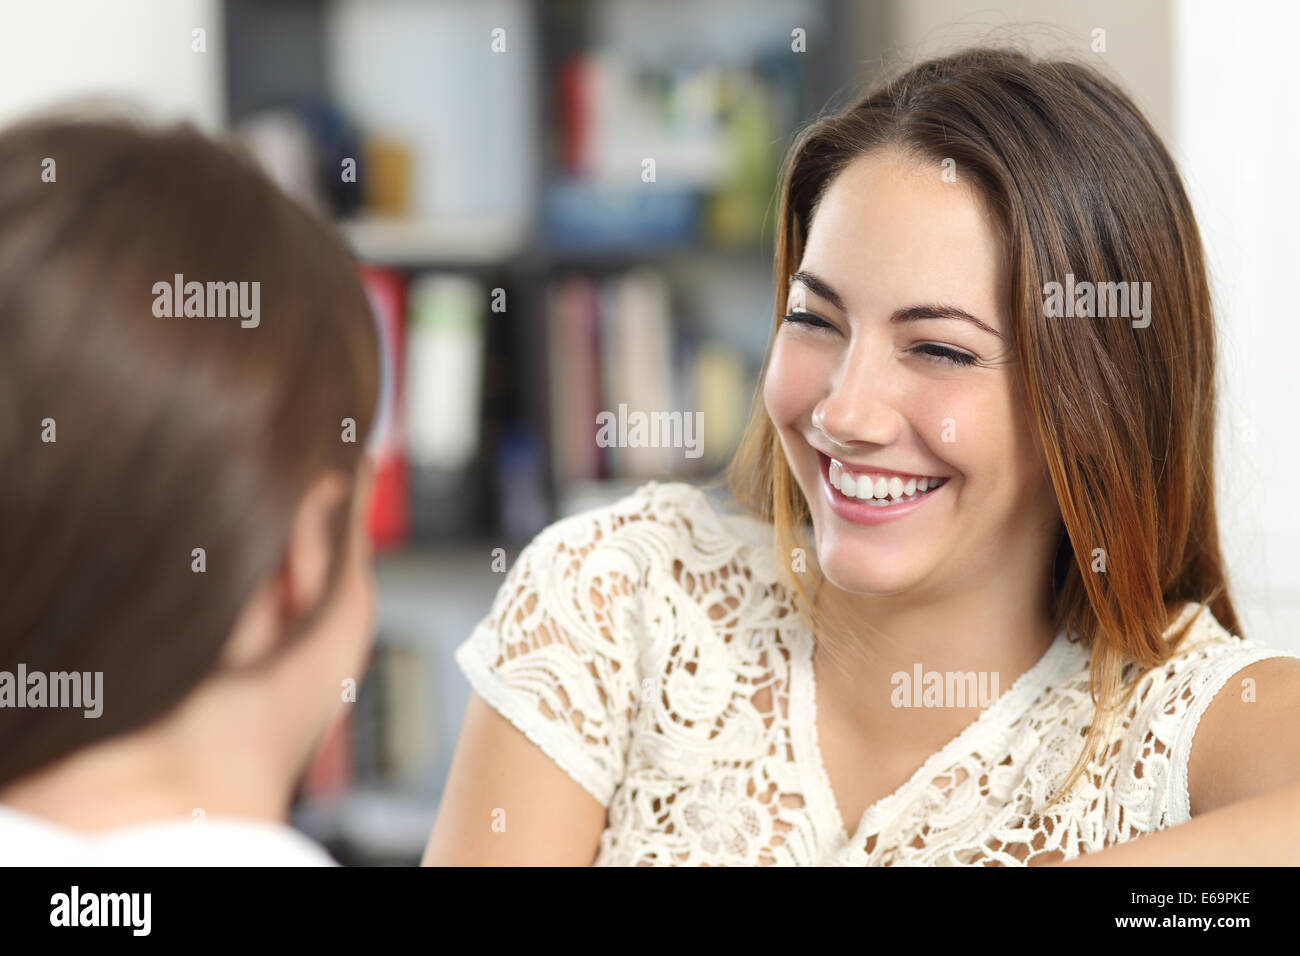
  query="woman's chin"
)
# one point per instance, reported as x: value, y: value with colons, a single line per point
x: 855, y: 575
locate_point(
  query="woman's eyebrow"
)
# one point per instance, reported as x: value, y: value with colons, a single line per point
x: 820, y: 287
x: 913, y: 313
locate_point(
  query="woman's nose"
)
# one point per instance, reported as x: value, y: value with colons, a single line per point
x: 860, y: 407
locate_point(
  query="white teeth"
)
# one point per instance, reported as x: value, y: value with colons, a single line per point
x: 880, y: 491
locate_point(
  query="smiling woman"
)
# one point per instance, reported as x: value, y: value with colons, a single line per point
x: 1042, y: 471
x: 940, y: 478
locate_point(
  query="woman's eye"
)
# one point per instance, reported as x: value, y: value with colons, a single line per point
x: 941, y: 353
x: 808, y: 318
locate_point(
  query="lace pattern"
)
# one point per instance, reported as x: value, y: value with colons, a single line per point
x: 650, y: 649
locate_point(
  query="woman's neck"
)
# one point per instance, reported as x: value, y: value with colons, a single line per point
x: 197, y: 764
x: 870, y: 658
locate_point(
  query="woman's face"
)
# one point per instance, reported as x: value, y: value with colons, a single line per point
x: 895, y: 393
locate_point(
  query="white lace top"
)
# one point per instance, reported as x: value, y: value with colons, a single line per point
x: 631, y: 644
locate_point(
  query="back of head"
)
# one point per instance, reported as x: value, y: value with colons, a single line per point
x: 181, y: 345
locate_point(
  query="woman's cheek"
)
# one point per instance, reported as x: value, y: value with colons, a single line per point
x: 953, y: 419
x: 792, y: 385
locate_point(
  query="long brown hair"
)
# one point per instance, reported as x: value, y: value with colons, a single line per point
x: 1081, y: 184
x: 129, y: 439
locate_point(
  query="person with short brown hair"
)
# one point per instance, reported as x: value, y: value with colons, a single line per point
x: 182, y: 498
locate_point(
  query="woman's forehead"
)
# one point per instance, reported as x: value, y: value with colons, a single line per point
x: 889, y: 227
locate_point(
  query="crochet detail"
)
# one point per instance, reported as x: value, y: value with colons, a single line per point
x: 652, y: 651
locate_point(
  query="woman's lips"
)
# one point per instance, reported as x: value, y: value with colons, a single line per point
x: 892, y: 485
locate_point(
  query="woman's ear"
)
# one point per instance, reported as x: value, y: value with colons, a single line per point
x: 304, y: 569
x: 298, y: 584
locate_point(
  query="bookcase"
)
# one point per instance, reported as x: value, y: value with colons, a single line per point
x: 565, y: 215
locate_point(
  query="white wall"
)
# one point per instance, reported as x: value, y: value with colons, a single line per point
x: 1139, y: 48
x: 1237, y: 139
x: 137, y: 50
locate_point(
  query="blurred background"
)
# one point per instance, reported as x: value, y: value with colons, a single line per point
x: 564, y: 207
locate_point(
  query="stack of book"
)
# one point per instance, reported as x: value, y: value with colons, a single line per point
x: 632, y: 396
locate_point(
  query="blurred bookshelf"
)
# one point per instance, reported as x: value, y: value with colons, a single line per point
x: 415, y: 243
x: 530, y: 270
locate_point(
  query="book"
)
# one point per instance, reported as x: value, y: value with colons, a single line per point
x: 575, y: 378
x: 388, y: 517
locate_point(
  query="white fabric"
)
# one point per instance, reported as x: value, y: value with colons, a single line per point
x: 630, y: 643
x: 27, y: 840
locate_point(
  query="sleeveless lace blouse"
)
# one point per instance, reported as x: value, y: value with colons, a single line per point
x: 631, y: 644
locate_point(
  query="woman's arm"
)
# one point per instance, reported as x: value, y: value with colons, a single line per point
x: 1262, y: 831
x: 1243, y: 781
x: 507, y: 803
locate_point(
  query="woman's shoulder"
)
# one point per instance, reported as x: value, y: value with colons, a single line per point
x: 567, y: 651
x: 1166, y: 705
x: 1202, y: 647
x: 1203, y: 655
x: 671, y: 527
x: 1162, y: 704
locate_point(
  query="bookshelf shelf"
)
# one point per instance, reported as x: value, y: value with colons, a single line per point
x: 419, y: 242
x: 562, y: 254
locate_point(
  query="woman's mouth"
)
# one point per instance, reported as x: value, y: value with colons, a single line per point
x: 865, y: 496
